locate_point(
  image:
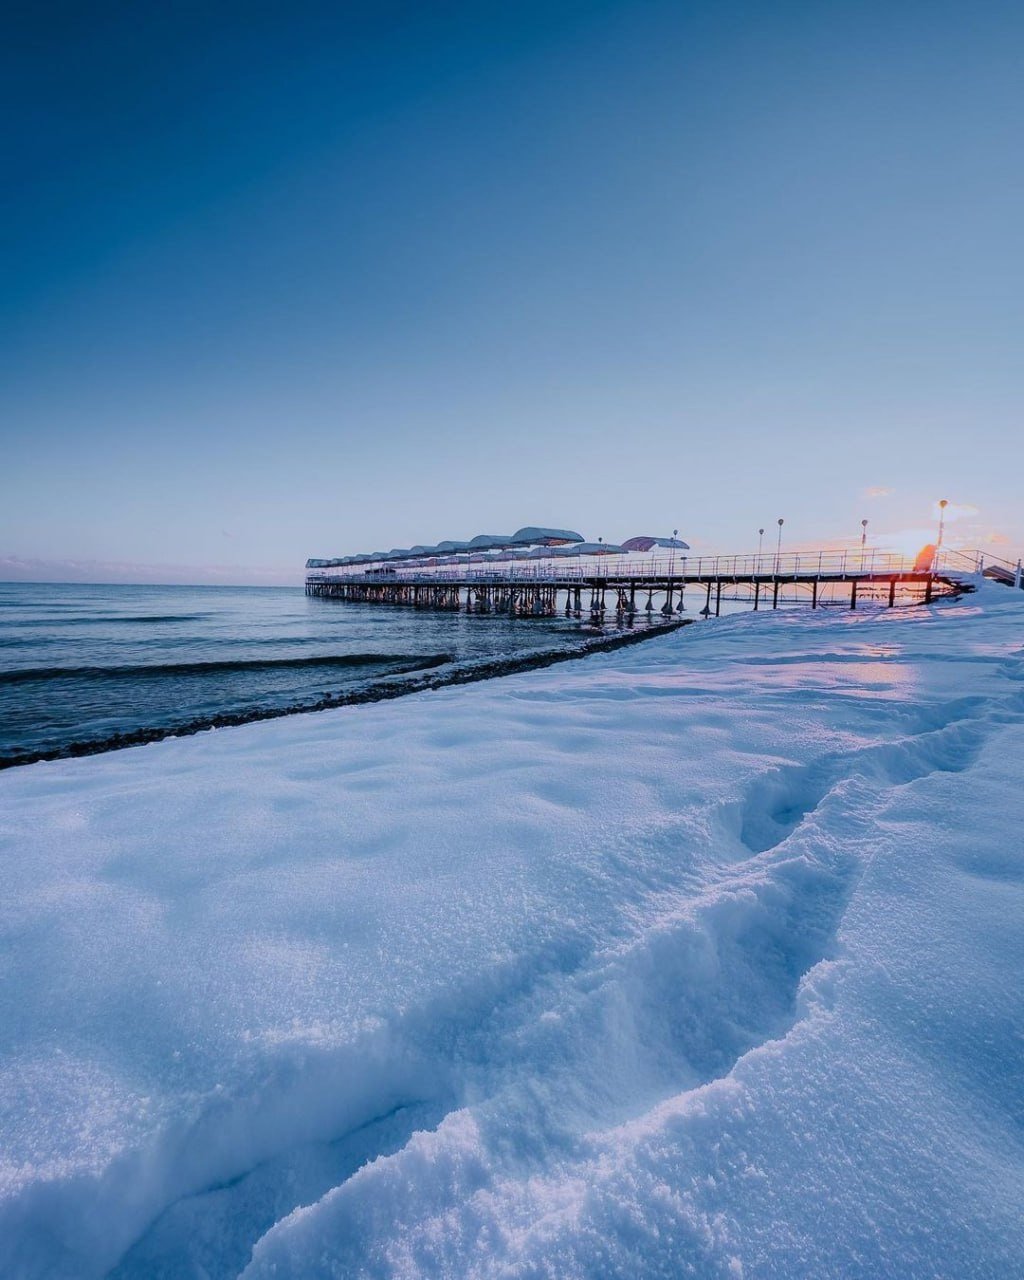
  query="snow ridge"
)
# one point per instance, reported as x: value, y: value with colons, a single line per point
x: 690, y: 960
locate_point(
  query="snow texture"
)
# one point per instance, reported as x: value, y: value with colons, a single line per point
x: 697, y: 959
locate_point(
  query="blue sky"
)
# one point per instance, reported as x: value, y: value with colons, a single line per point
x: 288, y: 280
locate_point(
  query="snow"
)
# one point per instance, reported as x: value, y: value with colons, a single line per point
x: 699, y: 958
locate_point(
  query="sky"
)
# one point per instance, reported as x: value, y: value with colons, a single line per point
x: 289, y: 280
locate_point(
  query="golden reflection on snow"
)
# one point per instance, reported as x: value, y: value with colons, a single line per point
x: 869, y: 669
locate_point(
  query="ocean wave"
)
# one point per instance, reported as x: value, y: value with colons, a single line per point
x: 395, y: 683
x: 42, y: 622
x: 225, y: 666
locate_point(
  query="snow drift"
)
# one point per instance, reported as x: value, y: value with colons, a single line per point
x: 700, y: 958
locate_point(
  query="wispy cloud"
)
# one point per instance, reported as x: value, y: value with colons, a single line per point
x: 955, y: 511
x: 878, y: 491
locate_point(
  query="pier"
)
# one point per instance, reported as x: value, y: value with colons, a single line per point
x: 631, y: 591
x: 602, y: 581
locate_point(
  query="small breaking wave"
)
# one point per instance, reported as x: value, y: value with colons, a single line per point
x: 44, y: 623
x: 414, y: 677
x: 223, y: 666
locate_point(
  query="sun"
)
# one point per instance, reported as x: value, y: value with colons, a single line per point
x: 908, y: 542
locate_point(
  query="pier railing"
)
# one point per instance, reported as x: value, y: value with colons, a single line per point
x: 632, y: 581
x: 983, y: 562
x: 798, y: 564
x: 803, y: 565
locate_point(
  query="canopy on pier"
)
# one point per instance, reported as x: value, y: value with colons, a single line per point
x: 531, y: 536
x: 589, y: 549
x: 487, y: 541
x: 528, y: 536
x: 646, y: 544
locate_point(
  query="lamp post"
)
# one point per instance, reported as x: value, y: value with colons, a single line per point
x: 863, y: 542
x: 760, y: 541
x: 943, y: 504
x: 778, y: 545
x: 671, y: 574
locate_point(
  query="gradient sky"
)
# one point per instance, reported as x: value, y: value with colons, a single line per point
x: 297, y: 279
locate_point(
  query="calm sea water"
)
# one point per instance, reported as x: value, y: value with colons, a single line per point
x: 89, y: 666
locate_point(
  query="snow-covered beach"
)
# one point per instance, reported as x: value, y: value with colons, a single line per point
x: 697, y: 958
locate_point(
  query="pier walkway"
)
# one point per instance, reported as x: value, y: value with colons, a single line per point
x: 630, y: 585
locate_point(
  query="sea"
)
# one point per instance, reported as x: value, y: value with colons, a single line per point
x: 92, y: 668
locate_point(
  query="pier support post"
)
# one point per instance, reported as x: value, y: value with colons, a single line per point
x: 853, y: 594
x: 892, y: 593
x: 814, y: 594
x: 775, y: 594
x: 757, y: 592
x: 718, y: 599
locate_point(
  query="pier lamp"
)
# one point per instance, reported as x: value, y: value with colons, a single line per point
x: 778, y: 545
x: 671, y: 569
x: 760, y: 541
x: 863, y: 542
x: 943, y: 504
